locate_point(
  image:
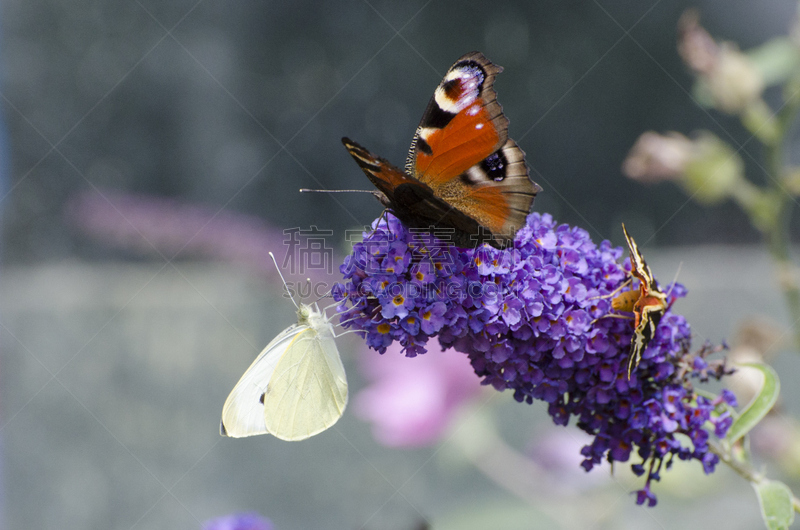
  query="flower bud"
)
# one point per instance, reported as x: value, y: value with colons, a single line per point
x: 735, y: 83
x: 729, y: 77
x: 714, y: 170
x: 697, y: 48
x: 656, y: 157
x: 706, y: 167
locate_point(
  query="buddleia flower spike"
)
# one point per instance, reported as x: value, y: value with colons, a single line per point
x: 529, y: 319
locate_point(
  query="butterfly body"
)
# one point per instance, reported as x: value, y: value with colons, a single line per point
x: 625, y: 301
x: 463, y: 175
x: 648, y: 304
x: 295, y: 388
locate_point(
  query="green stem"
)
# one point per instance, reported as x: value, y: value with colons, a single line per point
x: 744, y: 469
x: 778, y: 234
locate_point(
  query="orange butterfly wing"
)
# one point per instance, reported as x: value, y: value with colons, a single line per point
x: 463, y: 173
x: 462, y: 151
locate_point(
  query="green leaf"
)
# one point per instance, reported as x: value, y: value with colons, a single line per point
x: 761, y: 404
x: 777, y: 60
x: 775, y: 500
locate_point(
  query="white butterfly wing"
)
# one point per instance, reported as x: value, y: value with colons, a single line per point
x: 307, y: 392
x: 243, y: 412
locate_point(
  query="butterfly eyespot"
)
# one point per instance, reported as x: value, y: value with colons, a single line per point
x: 452, y: 89
x: 460, y: 87
x: 494, y: 166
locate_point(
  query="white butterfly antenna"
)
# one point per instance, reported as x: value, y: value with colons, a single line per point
x: 285, y: 285
x: 316, y: 302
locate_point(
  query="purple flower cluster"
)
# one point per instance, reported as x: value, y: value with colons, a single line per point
x: 532, y: 319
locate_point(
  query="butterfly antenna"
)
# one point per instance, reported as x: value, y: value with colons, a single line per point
x: 326, y: 295
x: 285, y: 285
x: 674, y: 280
x: 306, y: 190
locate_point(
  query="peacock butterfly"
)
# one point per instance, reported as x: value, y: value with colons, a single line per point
x: 463, y: 176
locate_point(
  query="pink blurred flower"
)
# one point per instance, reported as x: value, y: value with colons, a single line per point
x: 147, y: 224
x: 697, y: 47
x: 411, y: 401
x: 558, y: 452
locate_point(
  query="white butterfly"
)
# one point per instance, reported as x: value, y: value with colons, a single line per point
x: 295, y: 388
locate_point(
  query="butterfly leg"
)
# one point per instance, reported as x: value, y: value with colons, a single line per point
x: 382, y: 216
x: 363, y: 334
x: 611, y: 315
x: 614, y: 292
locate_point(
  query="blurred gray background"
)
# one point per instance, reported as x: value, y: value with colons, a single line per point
x: 238, y: 105
x: 116, y: 362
